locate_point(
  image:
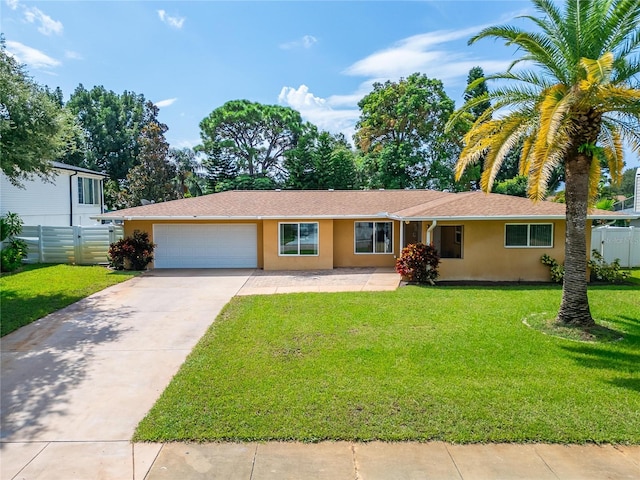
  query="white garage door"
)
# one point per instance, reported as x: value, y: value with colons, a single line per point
x: 205, y: 246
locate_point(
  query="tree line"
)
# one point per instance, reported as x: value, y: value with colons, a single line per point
x: 400, y: 142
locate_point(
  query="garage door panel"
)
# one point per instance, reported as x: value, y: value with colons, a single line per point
x: 205, y: 246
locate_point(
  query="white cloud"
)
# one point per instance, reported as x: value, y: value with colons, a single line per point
x: 306, y: 41
x: 174, y: 22
x: 12, y: 4
x: 47, y: 24
x: 319, y: 111
x: 31, y: 56
x: 73, y: 55
x: 415, y: 54
x: 165, y: 103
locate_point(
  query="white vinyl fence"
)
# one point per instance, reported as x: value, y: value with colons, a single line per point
x: 618, y: 242
x: 76, y: 245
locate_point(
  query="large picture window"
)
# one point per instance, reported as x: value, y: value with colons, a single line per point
x: 528, y: 235
x: 298, y: 239
x: 88, y: 191
x: 374, y: 237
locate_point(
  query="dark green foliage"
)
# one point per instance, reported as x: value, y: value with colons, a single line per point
x: 601, y: 271
x: 557, y: 270
x: 33, y: 127
x: 516, y: 186
x: 418, y: 263
x: 321, y: 161
x: 401, y: 133
x: 16, y: 250
x: 606, y: 272
x: 131, y: 253
x: 112, y: 124
x: 153, y: 178
x: 477, y: 90
x: 247, y: 138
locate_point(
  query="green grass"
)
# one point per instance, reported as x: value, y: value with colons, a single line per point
x: 445, y: 363
x: 37, y: 290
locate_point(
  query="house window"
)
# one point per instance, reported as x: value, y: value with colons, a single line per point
x: 448, y: 241
x: 88, y: 191
x: 298, y: 239
x: 374, y: 237
x: 528, y: 235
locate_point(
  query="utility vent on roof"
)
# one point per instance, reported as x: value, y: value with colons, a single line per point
x: 331, y: 189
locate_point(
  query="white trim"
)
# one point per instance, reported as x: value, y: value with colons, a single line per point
x: 300, y: 254
x: 392, y: 252
x: 529, y: 235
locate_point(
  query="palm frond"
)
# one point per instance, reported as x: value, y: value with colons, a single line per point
x: 598, y: 71
x: 594, y: 180
x: 503, y: 140
x: 611, y: 142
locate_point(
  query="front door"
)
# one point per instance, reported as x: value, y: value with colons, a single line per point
x: 412, y: 233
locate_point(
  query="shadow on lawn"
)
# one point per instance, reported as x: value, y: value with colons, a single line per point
x: 44, y: 361
x: 618, y: 356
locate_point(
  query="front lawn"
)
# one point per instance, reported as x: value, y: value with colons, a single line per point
x: 37, y: 290
x: 445, y: 363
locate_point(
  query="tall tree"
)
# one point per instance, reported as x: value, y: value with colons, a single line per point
x: 581, y: 104
x: 152, y: 179
x: 34, y: 129
x: 400, y: 126
x: 321, y: 161
x: 189, y: 180
x: 477, y: 89
x: 252, y: 136
x: 112, y: 124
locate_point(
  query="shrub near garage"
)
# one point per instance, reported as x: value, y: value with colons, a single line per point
x: 131, y: 253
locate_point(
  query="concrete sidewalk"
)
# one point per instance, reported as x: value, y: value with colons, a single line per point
x: 393, y: 461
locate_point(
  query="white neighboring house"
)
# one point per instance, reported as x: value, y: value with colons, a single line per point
x: 73, y: 195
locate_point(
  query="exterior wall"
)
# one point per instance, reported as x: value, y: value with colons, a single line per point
x: 274, y: 261
x: 484, y: 256
x: 47, y: 203
x: 344, y: 247
x: 147, y: 226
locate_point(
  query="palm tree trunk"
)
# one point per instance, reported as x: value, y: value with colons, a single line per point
x: 574, y: 309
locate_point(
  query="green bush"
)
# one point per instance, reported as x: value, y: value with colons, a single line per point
x: 601, y: 271
x: 131, y: 253
x: 557, y: 270
x: 418, y: 263
x: 607, y: 272
x: 11, y: 256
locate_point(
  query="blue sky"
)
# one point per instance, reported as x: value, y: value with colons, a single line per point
x: 190, y: 57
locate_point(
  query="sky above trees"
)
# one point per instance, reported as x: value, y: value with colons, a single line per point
x: 191, y: 57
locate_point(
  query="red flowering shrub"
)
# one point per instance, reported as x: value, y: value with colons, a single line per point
x: 418, y: 263
x: 131, y: 253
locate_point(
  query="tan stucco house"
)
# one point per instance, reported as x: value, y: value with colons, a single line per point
x: 479, y: 236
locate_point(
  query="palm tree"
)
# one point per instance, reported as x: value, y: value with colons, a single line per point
x: 575, y: 110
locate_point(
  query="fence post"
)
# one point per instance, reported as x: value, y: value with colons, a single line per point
x: 40, y: 245
x: 77, y: 248
x: 630, y: 250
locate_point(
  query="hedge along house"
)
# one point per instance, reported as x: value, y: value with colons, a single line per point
x: 479, y: 236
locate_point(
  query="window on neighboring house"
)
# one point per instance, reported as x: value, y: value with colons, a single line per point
x: 374, y: 237
x: 527, y: 235
x: 88, y: 191
x: 298, y: 239
x: 448, y: 240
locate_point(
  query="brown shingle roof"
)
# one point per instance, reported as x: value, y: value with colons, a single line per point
x: 424, y: 204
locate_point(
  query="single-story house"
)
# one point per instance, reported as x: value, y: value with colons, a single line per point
x: 479, y: 236
x: 72, y: 197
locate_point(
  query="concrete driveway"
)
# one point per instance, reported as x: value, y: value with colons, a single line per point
x: 76, y: 383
